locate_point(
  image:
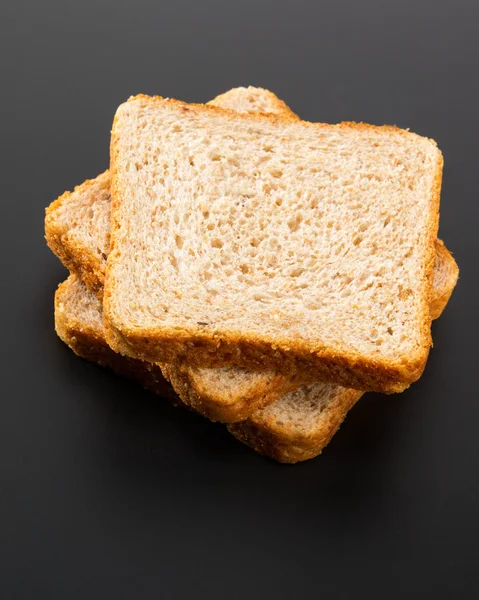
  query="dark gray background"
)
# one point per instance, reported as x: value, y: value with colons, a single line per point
x: 107, y: 491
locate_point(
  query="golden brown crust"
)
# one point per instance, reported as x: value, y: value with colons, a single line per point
x: 265, y: 435
x: 76, y: 257
x: 217, y: 406
x: 280, y: 107
x: 428, y: 272
x: 270, y: 117
x: 198, y: 347
x: 449, y: 270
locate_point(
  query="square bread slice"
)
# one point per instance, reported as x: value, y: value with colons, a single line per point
x: 294, y: 428
x: 271, y: 243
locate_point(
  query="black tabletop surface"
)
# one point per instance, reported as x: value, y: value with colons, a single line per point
x: 106, y: 491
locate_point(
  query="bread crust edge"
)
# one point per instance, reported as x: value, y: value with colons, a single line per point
x: 269, y: 438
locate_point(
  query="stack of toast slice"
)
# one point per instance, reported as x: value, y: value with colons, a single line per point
x: 271, y: 270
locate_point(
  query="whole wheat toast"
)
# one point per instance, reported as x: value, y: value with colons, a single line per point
x: 294, y: 428
x: 77, y: 230
x: 306, y: 248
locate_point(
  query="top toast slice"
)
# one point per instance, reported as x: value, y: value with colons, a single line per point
x: 306, y: 248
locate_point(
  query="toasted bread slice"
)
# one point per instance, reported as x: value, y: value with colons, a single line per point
x: 306, y: 248
x: 294, y: 428
x: 78, y: 230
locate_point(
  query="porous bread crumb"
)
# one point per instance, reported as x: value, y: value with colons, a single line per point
x: 311, y: 239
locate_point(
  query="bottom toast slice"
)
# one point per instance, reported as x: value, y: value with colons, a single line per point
x: 294, y: 428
